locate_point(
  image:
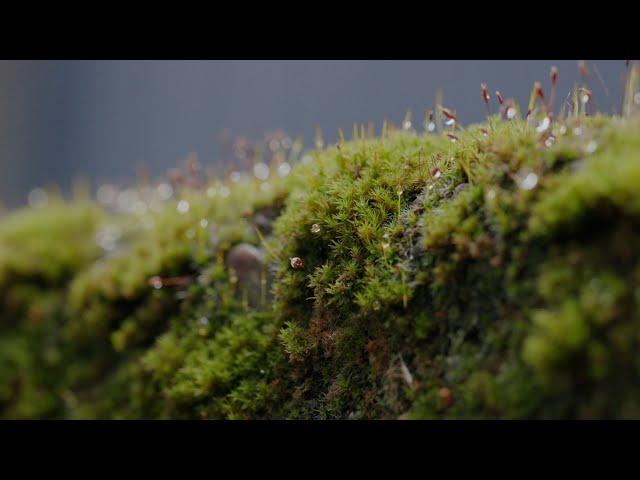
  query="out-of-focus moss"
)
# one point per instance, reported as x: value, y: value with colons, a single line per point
x: 40, y: 252
x: 491, y: 277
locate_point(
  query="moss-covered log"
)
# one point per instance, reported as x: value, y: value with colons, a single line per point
x: 489, y: 273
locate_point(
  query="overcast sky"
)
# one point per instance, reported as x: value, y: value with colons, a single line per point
x: 59, y: 119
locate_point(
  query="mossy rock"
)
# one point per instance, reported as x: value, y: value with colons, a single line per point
x: 497, y: 276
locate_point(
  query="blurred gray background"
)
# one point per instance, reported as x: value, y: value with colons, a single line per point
x: 103, y: 119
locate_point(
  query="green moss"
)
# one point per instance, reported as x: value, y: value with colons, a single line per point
x: 491, y: 277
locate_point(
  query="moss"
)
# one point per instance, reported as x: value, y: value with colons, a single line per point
x: 491, y: 277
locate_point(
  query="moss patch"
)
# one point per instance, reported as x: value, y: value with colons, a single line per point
x: 494, y: 276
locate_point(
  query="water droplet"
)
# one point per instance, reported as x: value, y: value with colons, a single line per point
x: 591, y: 146
x: 315, y: 228
x: 126, y: 200
x: 543, y: 125
x: 585, y: 98
x: 563, y: 129
x: 406, y: 125
x: 550, y: 141
x: 385, y: 245
x: 577, y: 131
x: 203, y: 321
x: 211, y: 192
x: 511, y: 113
x: 527, y: 180
x: 406, y: 374
x: 107, y: 237
x: 37, y: 198
x: 183, y: 207
x: 274, y: 145
x: 156, y: 282
x: 224, y: 191
x: 204, y: 223
x: 431, y: 127
x: 491, y: 195
x: 239, y: 151
x: 261, y: 170
x: 284, y: 169
x: 165, y: 191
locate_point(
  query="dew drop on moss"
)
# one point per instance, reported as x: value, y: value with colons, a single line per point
x: 544, y: 125
x: 527, y: 180
x: 165, y: 191
x: 284, y: 169
x: 261, y: 171
x: 183, y: 207
x: 156, y: 282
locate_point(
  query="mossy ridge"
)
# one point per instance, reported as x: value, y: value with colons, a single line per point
x: 35, y: 267
x: 439, y: 279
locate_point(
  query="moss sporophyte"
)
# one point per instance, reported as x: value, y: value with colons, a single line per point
x: 400, y: 276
